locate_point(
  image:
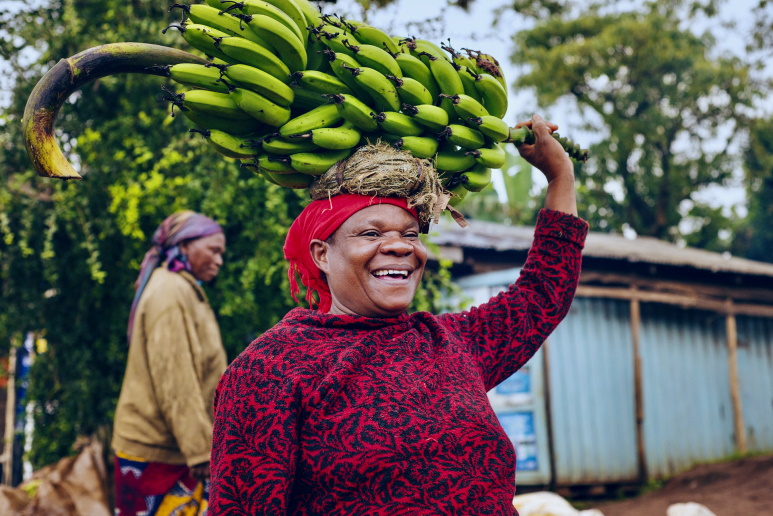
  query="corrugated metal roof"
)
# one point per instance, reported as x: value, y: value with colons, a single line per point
x: 489, y: 235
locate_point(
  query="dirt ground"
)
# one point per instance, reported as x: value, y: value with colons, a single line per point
x: 742, y: 487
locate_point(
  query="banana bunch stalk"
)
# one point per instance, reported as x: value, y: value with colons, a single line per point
x: 289, y: 92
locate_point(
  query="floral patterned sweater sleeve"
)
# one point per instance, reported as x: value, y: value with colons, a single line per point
x: 505, y: 332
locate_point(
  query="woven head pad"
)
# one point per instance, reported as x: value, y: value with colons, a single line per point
x: 380, y: 170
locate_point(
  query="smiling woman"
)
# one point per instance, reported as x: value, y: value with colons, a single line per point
x: 357, y: 407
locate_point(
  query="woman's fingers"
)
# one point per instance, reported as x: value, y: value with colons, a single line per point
x: 536, y: 119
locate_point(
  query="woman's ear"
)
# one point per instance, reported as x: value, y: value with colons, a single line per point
x: 319, y: 254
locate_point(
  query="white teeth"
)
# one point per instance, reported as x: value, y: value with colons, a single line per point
x: 388, y: 272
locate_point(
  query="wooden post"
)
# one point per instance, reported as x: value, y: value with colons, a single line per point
x: 641, y: 457
x: 548, y: 414
x: 735, y: 388
x: 10, y: 419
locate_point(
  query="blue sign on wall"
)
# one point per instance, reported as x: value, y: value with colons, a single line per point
x: 519, y: 427
x: 518, y: 383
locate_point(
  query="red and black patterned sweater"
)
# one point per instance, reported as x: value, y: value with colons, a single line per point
x: 330, y: 414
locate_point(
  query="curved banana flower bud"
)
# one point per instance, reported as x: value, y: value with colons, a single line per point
x: 71, y: 74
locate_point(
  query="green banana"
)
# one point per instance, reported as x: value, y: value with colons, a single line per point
x: 255, y: 7
x: 376, y: 58
x: 371, y: 35
x: 320, y: 82
x: 291, y: 48
x: 276, y: 164
x: 315, y: 55
x: 230, y: 125
x: 415, y: 68
x: 312, y: 13
x: 463, y: 136
x: 355, y: 111
x: 448, y: 80
x: 477, y: 178
x: 411, y: 91
x: 201, y: 37
x: 217, y: 4
x: 486, y: 63
x: 324, y: 115
x: 197, y: 76
x: 306, y: 99
x: 491, y: 156
x: 240, y: 50
x: 336, y: 39
x: 213, y: 17
x: 227, y: 144
x: 435, y: 118
x: 344, y: 136
x: 456, y: 160
x: 467, y: 107
x: 213, y: 103
x: 293, y: 10
x: 252, y: 164
x: 337, y: 62
x: 492, y: 127
x: 423, y: 49
x: 295, y: 180
x: 458, y: 193
x: 261, y: 82
x: 275, y: 145
x: 400, y: 124
x: 420, y: 146
x: 379, y: 88
x: 260, y: 107
x: 468, y: 80
x: 494, y: 95
x: 459, y: 59
x: 317, y: 163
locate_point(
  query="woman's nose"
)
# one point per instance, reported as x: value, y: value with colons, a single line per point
x: 397, y: 245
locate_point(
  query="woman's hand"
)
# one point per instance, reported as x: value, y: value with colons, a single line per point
x: 551, y: 159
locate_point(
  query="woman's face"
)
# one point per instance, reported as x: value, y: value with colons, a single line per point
x: 373, y: 263
x: 205, y: 255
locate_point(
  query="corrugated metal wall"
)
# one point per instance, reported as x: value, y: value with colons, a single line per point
x: 688, y: 412
x: 755, y: 371
x: 592, y: 394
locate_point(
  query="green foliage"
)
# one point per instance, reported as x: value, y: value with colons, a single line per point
x: 70, y: 251
x: 755, y: 241
x: 670, y: 110
x: 520, y: 206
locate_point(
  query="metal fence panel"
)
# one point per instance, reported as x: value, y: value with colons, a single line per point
x: 688, y: 413
x: 592, y: 394
x: 755, y: 371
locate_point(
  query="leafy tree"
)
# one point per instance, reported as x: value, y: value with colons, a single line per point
x: 672, y: 111
x: 755, y: 240
x: 70, y: 251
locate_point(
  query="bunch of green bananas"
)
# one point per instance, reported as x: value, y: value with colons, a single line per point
x: 290, y: 92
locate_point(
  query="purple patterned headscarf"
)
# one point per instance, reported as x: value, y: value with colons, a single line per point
x: 176, y: 229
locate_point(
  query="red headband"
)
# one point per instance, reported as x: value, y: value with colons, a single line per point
x: 319, y: 220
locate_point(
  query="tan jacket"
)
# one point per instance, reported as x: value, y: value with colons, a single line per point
x: 176, y: 358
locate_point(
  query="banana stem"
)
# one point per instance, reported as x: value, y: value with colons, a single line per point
x: 71, y: 74
x: 525, y: 135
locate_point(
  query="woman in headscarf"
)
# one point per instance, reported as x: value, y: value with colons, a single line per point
x: 360, y: 408
x: 162, y: 430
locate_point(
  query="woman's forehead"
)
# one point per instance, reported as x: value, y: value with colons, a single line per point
x: 381, y: 215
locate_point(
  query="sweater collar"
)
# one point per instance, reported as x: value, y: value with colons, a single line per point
x: 352, y: 322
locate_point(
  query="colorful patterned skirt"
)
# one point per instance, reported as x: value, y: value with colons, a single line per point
x: 145, y: 488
